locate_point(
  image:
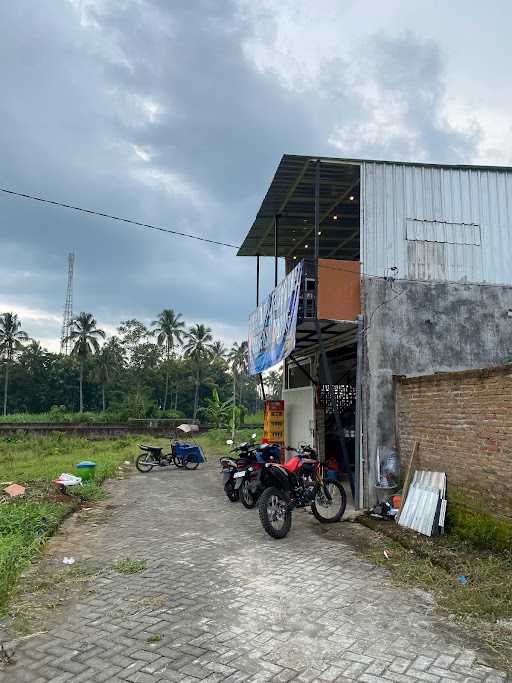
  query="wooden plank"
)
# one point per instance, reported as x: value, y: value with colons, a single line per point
x: 407, y: 481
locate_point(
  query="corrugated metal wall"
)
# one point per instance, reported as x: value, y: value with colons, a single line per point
x: 436, y: 223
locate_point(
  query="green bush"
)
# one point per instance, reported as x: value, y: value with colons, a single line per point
x: 479, y: 528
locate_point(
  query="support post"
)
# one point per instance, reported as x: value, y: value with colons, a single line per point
x: 257, y: 280
x: 337, y: 418
x: 262, y: 385
x: 317, y: 230
x: 276, y: 246
x: 359, y: 422
x: 303, y: 370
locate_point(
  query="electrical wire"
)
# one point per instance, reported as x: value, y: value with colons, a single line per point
x: 116, y: 218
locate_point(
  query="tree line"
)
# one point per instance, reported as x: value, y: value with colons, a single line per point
x: 165, y: 370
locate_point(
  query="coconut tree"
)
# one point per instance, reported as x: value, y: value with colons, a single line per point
x: 11, y: 342
x: 109, y: 361
x: 83, y: 335
x: 219, y: 351
x: 198, y: 347
x: 169, y: 330
x: 238, y: 358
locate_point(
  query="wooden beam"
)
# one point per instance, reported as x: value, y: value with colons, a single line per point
x: 407, y: 481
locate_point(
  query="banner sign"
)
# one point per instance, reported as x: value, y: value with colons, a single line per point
x: 272, y: 325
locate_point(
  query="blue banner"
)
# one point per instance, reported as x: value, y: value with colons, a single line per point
x: 272, y: 325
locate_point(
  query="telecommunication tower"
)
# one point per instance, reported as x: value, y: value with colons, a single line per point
x: 68, y: 307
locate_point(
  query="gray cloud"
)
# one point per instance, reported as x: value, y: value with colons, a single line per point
x: 156, y: 111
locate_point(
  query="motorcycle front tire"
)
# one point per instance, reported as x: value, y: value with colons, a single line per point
x: 267, y: 498
x: 231, y: 493
x: 343, y: 504
x: 247, y: 497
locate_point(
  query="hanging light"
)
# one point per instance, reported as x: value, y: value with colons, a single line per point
x: 305, y: 246
x: 319, y: 232
x: 335, y: 217
x: 294, y: 258
x: 351, y: 198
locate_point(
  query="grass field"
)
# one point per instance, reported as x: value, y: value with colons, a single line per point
x: 27, y: 522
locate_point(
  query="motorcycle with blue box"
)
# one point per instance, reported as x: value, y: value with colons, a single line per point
x: 186, y: 455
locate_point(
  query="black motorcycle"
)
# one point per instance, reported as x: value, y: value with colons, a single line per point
x: 153, y: 456
x: 243, y: 456
x: 248, y: 481
x: 296, y: 484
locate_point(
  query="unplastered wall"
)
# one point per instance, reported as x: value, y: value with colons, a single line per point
x: 463, y: 423
x: 418, y: 328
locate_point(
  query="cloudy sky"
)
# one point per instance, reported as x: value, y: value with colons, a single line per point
x: 176, y: 112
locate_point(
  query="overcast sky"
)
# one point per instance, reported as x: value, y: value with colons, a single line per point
x: 176, y: 112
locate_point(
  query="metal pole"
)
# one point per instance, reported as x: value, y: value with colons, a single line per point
x: 337, y: 418
x: 317, y: 229
x: 257, y: 280
x: 358, y: 422
x: 276, y: 245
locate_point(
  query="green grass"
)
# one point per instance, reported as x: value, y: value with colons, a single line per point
x: 129, y: 566
x: 57, y: 416
x: 26, y: 522
x: 482, y: 605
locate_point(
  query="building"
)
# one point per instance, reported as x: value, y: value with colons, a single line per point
x: 406, y: 270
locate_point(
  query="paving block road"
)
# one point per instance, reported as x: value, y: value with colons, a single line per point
x: 222, y: 601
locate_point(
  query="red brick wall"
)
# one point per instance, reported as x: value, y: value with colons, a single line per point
x: 463, y: 422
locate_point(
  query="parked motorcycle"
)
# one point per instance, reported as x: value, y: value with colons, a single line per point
x: 243, y: 456
x: 181, y: 455
x: 248, y: 481
x: 298, y: 483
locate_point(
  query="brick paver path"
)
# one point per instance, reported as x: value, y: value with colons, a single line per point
x: 222, y: 601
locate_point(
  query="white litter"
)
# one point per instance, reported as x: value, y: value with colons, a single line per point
x: 69, y: 479
x: 68, y: 560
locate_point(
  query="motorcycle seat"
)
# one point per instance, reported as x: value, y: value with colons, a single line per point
x: 150, y: 449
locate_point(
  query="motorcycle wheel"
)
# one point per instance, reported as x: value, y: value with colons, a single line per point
x: 326, y: 511
x: 142, y: 464
x: 231, y: 493
x: 275, y: 517
x: 247, y: 497
x: 177, y: 461
x: 190, y: 464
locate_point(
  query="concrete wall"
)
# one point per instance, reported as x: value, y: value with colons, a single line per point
x: 416, y: 328
x: 463, y: 423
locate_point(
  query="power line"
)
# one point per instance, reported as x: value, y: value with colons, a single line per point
x: 116, y: 218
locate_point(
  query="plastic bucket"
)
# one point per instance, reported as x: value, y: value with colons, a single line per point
x: 86, y: 469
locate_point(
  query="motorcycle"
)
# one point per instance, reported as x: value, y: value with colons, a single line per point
x: 247, y: 481
x: 231, y: 465
x: 181, y: 455
x: 296, y: 484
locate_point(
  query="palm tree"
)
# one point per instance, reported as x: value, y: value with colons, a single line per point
x: 198, y: 347
x: 169, y: 329
x: 219, y: 351
x: 11, y: 342
x: 83, y: 334
x: 109, y: 361
x: 238, y: 357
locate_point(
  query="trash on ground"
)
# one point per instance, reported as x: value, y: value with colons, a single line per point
x: 68, y: 560
x: 67, y: 479
x: 424, y: 509
x: 15, y: 490
x: 463, y: 580
x: 127, y: 462
x: 387, y: 554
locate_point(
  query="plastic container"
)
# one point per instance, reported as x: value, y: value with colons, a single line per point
x: 332, y: 474
x: 86, y: 469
